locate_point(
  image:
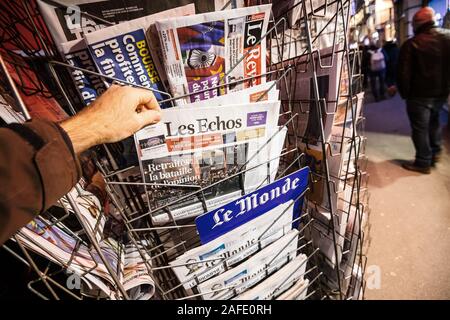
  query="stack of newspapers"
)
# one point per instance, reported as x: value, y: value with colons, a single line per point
x: 212, y: 160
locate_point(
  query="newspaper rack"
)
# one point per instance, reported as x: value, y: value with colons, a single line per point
x: 338, y: 277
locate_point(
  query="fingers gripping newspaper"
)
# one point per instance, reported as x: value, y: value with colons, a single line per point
x: 206, y: 147
x: 128, y: 52
x: 56, y: 243
x: 204, y: 51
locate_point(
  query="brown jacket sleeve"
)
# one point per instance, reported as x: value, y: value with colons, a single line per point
x: 37, y: 167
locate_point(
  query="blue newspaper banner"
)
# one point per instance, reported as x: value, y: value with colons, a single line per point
x: 89, y: 86
x: 217, y: 222
x: 127, y: 57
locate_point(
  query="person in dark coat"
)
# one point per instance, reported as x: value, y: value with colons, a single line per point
x: 423, y: 80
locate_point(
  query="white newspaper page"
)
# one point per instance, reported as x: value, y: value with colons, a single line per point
x: 279, y: 282
x: 201, y: 147
x: 203, y: 51
x: 252, y: 271
x: 206, y: 261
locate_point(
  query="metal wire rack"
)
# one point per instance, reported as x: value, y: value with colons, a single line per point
x: 295, y: 47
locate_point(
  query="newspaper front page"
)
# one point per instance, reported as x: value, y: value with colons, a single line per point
x: 123, y: 51
x: 209, y: 260
x: 200, y: 147
x: 204, y: 51
x: 89, y: 86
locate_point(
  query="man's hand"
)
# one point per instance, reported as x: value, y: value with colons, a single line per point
x: 114, y: 116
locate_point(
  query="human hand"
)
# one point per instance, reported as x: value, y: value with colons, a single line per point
x: 114, y: 116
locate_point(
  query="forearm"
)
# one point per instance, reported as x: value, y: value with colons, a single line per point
x: 36, y: 169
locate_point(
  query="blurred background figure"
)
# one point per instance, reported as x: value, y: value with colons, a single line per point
x: 424, y: 81
x: 391, y: 51
x: 377, y: 65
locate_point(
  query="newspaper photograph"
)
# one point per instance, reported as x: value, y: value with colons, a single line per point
x: 206, y: 261
x: 198, y: 147
x: 204, y: 51
x: 123, y: 51
x: 251, y: 271
x: 279, y: 282
x: 54, y: 243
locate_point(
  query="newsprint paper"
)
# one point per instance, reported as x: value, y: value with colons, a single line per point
x: 204, y: 51
x: 61, y: 247
x: 279, y: 282
x: 252, y: 271
x: 209, y: 260
x: 195, y: 147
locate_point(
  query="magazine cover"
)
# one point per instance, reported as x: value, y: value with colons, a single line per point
x: 204, y: 51
x: 206, y: 261
x: 89, y: 86
x: 66, y: 22
x: 252, y: 271
x: 200, y: 147
x: 123, y: 51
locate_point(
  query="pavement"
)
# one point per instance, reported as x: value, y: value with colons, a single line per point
x: 409, y: 240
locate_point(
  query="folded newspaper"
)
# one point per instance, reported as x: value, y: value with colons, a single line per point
x: 279, y: 282
x: 208, y: 260
x: 203, y: 52
x: 123, y: 51
x: 89, y: 86
x: 204, y: 147
x: 252, y: 271
x: 53, y: 242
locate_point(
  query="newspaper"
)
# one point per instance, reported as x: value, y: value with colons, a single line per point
x: 326, y: 27
x: 89, y: 86
x: 66, y: 23
x: 39, y: 105
x: 203, y: 51
x: 124, y: 52
x: 262, y: 92
x: 252, y: 271
x: 7, y: 112
x: 328, y: 70
x: 54, y: 243
x: 204, y: 262
x: 296, y: 292
x: 279, y: 282
x: 198, y: 147
x: 90, y: 208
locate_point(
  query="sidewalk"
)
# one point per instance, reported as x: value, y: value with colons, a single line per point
x: 410, y: 213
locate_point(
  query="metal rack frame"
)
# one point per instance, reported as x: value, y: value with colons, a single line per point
x: 124, y: 185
